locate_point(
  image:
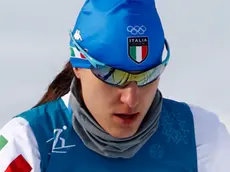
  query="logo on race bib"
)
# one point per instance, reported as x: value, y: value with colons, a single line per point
x: 59, y: 143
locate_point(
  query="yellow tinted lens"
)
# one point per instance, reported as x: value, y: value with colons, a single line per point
x: 120, y: 78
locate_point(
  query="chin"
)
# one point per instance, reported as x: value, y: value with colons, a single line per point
x: 124, y: 131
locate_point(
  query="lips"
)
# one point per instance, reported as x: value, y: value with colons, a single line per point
x: 122, y: 115
x: 123, y: 118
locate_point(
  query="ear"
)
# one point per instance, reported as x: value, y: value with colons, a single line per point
x: 77, y: 72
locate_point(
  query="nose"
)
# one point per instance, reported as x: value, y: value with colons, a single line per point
x: 130, y: 95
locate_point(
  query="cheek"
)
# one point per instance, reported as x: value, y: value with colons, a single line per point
x: 148, y: 92
x: 96, y: 93
x: 90, y: 91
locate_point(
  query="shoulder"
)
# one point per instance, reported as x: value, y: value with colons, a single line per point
x: 208, y: 127
x: 27, y: 124
x: 21, y: 126
x: 211, y: 136
x: 44, y: 119
x: 205, y: 122
x: 212, y: 140
x: 16, y: 124
x: 44, y: 113
x: 24, y: 136
x: 17, y: 127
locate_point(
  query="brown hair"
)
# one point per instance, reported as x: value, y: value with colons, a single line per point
x: 60, y: 85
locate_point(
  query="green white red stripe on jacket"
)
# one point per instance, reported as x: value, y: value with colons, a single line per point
x: 17, y: 154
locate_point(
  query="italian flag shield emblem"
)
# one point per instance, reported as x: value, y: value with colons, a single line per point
x: 138, y: 48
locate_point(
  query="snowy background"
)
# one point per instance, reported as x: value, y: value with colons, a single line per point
x: 34, y: 48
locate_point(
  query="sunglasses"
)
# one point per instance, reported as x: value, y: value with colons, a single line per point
x: 118, y: 77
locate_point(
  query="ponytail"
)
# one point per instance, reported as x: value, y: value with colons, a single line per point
x: 60, y: 85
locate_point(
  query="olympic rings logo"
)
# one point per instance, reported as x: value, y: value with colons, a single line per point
x: 136, y: 29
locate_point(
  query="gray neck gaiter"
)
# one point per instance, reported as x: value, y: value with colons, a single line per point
x: 97, y: 139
